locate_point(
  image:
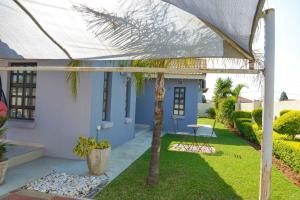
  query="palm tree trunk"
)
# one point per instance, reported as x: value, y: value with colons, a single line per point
x: 153, y: 176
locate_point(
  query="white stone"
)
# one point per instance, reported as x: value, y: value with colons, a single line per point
x: 67, y: 185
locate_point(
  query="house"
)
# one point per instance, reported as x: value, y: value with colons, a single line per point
x: 182, y: 95
x: 42, y: 110
x: 41, y: 107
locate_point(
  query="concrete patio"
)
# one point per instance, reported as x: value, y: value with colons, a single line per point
x: 121, y: 158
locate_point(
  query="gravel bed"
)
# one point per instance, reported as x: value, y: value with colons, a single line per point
x: 63, y: 184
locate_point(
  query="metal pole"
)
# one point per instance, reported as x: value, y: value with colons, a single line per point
x: 269, y: 62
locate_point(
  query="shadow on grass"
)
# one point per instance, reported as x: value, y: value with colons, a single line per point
x: 182, y: 176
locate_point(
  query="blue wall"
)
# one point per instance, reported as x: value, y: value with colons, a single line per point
x: 145, y: 104
x: 121, y: 131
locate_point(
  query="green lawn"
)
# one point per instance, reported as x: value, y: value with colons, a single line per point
x: 232, y: 173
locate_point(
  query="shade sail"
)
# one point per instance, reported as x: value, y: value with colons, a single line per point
x: 153, y: 29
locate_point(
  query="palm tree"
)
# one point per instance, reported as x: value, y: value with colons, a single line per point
x: 237, y: 90
x: 130, y: 34
x: 222, y: 90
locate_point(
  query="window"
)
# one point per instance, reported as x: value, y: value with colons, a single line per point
x: 22, y: 93
x: 179, y: 101
x: 127, y: 98
x: 106, y: 96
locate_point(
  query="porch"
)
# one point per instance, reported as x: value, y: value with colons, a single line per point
x: 120, y: 158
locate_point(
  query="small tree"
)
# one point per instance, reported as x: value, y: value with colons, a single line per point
x: 283, y: 96
x: 288, y: 124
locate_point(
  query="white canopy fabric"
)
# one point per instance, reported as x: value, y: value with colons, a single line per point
x: 159, y: 29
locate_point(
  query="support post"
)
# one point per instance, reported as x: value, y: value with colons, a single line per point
x: 268, y: 106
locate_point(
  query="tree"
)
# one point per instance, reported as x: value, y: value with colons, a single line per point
x: 124, y: 33
x: 222, y: 90
x: 237, y: 90
x: 283, y: 96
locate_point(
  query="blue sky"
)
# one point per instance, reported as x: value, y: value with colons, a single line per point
x: 287, y: 63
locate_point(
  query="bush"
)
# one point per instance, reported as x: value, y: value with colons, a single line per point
x: 245, y: 127
x: 257, y: 116
x: 285, y: 150
x: 288, y: 124
x: 211, y: 113
x: 226, y: 109
x: 283, y: 112
x: 288, y: 153
x: 241, y: 114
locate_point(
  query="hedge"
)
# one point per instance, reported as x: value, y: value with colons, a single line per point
x: 244, y: 125
x: 257, y: 116
x: 287, y: 153
x: 288, y: 124
x: 282, y: 112
x: 241, y: 114
x: 285, y: 150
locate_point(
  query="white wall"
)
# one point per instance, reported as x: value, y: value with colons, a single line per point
x: 286, y: 105
x: 202, y: 107
x: 250, y: 106
x: 278, y: 106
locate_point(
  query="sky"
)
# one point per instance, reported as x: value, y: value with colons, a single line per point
x: 287, y: 53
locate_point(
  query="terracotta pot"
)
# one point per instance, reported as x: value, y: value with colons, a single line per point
x: 3, y: 168
x: 97, y: 161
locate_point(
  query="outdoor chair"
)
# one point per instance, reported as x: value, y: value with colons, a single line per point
x: 207, y: 138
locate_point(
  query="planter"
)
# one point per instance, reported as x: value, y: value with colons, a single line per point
x: 97, y: 161
x: 3, y: 168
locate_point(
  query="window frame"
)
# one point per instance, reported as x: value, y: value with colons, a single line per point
x: 127, y: 97
x: 23, y: 86
x: 106, y: 100
x: 179, y: 98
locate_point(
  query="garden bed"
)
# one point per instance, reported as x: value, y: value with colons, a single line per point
x: 63, y: 184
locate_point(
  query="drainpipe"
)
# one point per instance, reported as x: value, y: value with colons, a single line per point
x: 268, y: 108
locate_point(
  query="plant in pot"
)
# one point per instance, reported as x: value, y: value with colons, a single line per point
x: 3, y: 143
x: 96, y: 153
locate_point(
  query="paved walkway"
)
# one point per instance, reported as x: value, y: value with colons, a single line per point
x: 120, y: 159
x: 204, y: 130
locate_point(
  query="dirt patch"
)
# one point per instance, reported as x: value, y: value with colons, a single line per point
x: 286, y: 170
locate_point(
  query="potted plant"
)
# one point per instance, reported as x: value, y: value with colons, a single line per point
x: 3, y: 143
x: 96, y: 153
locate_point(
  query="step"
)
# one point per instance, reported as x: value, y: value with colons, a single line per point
x: 141, y: 128
x: 21, y: 153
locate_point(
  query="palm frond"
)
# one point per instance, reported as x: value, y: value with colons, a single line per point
x: 73, y: 78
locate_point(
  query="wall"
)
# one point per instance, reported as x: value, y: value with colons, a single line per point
x: 58, y: 119
x: 202, y: 108
x: 250, y: 106
x: 145, y: 104
x: 278, y: 106
x: 286, y: 105
x: 122, y: 129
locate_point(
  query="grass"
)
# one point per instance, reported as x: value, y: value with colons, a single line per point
x: 232, y: 173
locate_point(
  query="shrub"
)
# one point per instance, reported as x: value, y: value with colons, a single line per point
x: 246, y: 130
x: 85, y: 145
x: 226, y: 109
x: 211, y: 113
x: 241, y: 114
x: 285, y: 150
x: 288, y: 124
x: 257, y: 116
x: 288, y: 153
x: 283, y: 112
